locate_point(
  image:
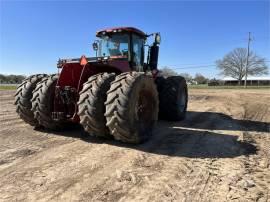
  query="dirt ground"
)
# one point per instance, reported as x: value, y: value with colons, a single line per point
x: 221, y: 152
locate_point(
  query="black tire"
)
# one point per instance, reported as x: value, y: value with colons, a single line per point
x: 160, y: 83
x: 42, y: 102
x: 23, y: 98
x: 91, y: 106
x: 132, y: 107
x: 173, y: 99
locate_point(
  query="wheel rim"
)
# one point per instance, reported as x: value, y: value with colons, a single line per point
x: 144, y: 107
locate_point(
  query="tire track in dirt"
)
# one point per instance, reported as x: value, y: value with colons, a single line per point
x: 256, y: 178
x: 199, y: 159
x: 197, y: 182
x: 56, y: 156
x: 29, y: 170
x: 162, y: 178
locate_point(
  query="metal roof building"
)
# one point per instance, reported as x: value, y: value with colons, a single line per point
x: 251, y: 80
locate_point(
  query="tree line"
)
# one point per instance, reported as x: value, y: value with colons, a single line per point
x: 11, y: 79
x: 166, y: 72
x: 197, y: 79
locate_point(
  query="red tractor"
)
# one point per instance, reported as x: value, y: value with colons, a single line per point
x: 118, y: 93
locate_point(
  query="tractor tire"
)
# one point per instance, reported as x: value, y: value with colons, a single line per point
x: 160, y: 83
x: 23, y: 98
x: 91, y: 106
x: 132, y: 107
x: 173, y: 99
x: 42, y: 103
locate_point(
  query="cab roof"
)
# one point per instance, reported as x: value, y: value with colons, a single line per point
x: 122, y: 29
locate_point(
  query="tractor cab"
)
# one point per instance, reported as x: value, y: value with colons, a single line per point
x: 124, y: 43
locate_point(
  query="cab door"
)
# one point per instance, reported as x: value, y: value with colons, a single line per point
x: 137, y: 53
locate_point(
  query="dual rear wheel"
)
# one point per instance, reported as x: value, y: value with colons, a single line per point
x: 23, y: 98
x: 34, y: 101
x: 43, y: 101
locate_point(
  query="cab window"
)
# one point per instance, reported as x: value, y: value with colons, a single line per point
x: 138, y: 45
x: 114, y: 45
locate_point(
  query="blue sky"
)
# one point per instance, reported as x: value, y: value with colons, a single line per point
x: 194, y: 34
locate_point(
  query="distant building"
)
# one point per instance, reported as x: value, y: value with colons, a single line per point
x: 251, y: 81
x: 192, y: 82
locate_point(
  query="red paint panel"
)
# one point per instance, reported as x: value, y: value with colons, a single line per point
x: 70, y: 75
x: 75, y: 75
x: 122, y: 66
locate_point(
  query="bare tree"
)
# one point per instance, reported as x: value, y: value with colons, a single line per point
x: 166, y: 72
x: 233, y: 64
x: 200, y: 79
x: 187, y: 76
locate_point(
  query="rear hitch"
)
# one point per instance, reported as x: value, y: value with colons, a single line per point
x: 58, y: 116
x: 64, y: 103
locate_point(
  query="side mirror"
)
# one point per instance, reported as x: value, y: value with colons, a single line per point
x: 95, y: 46
x: 157, y: 38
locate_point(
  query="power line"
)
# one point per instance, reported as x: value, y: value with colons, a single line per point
x: 194, y: 67
x: 198, y: 66
x: 249, y: 40
x: 191, y: 64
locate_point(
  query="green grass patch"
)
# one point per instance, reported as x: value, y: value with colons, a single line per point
x: 205, y: 86
x: 8, y: 87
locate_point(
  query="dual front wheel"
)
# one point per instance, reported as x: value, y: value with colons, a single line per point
x: 127, y: 106
x: 124, y: 107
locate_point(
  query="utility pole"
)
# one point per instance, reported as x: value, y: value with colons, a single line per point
x: 246, y: 69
